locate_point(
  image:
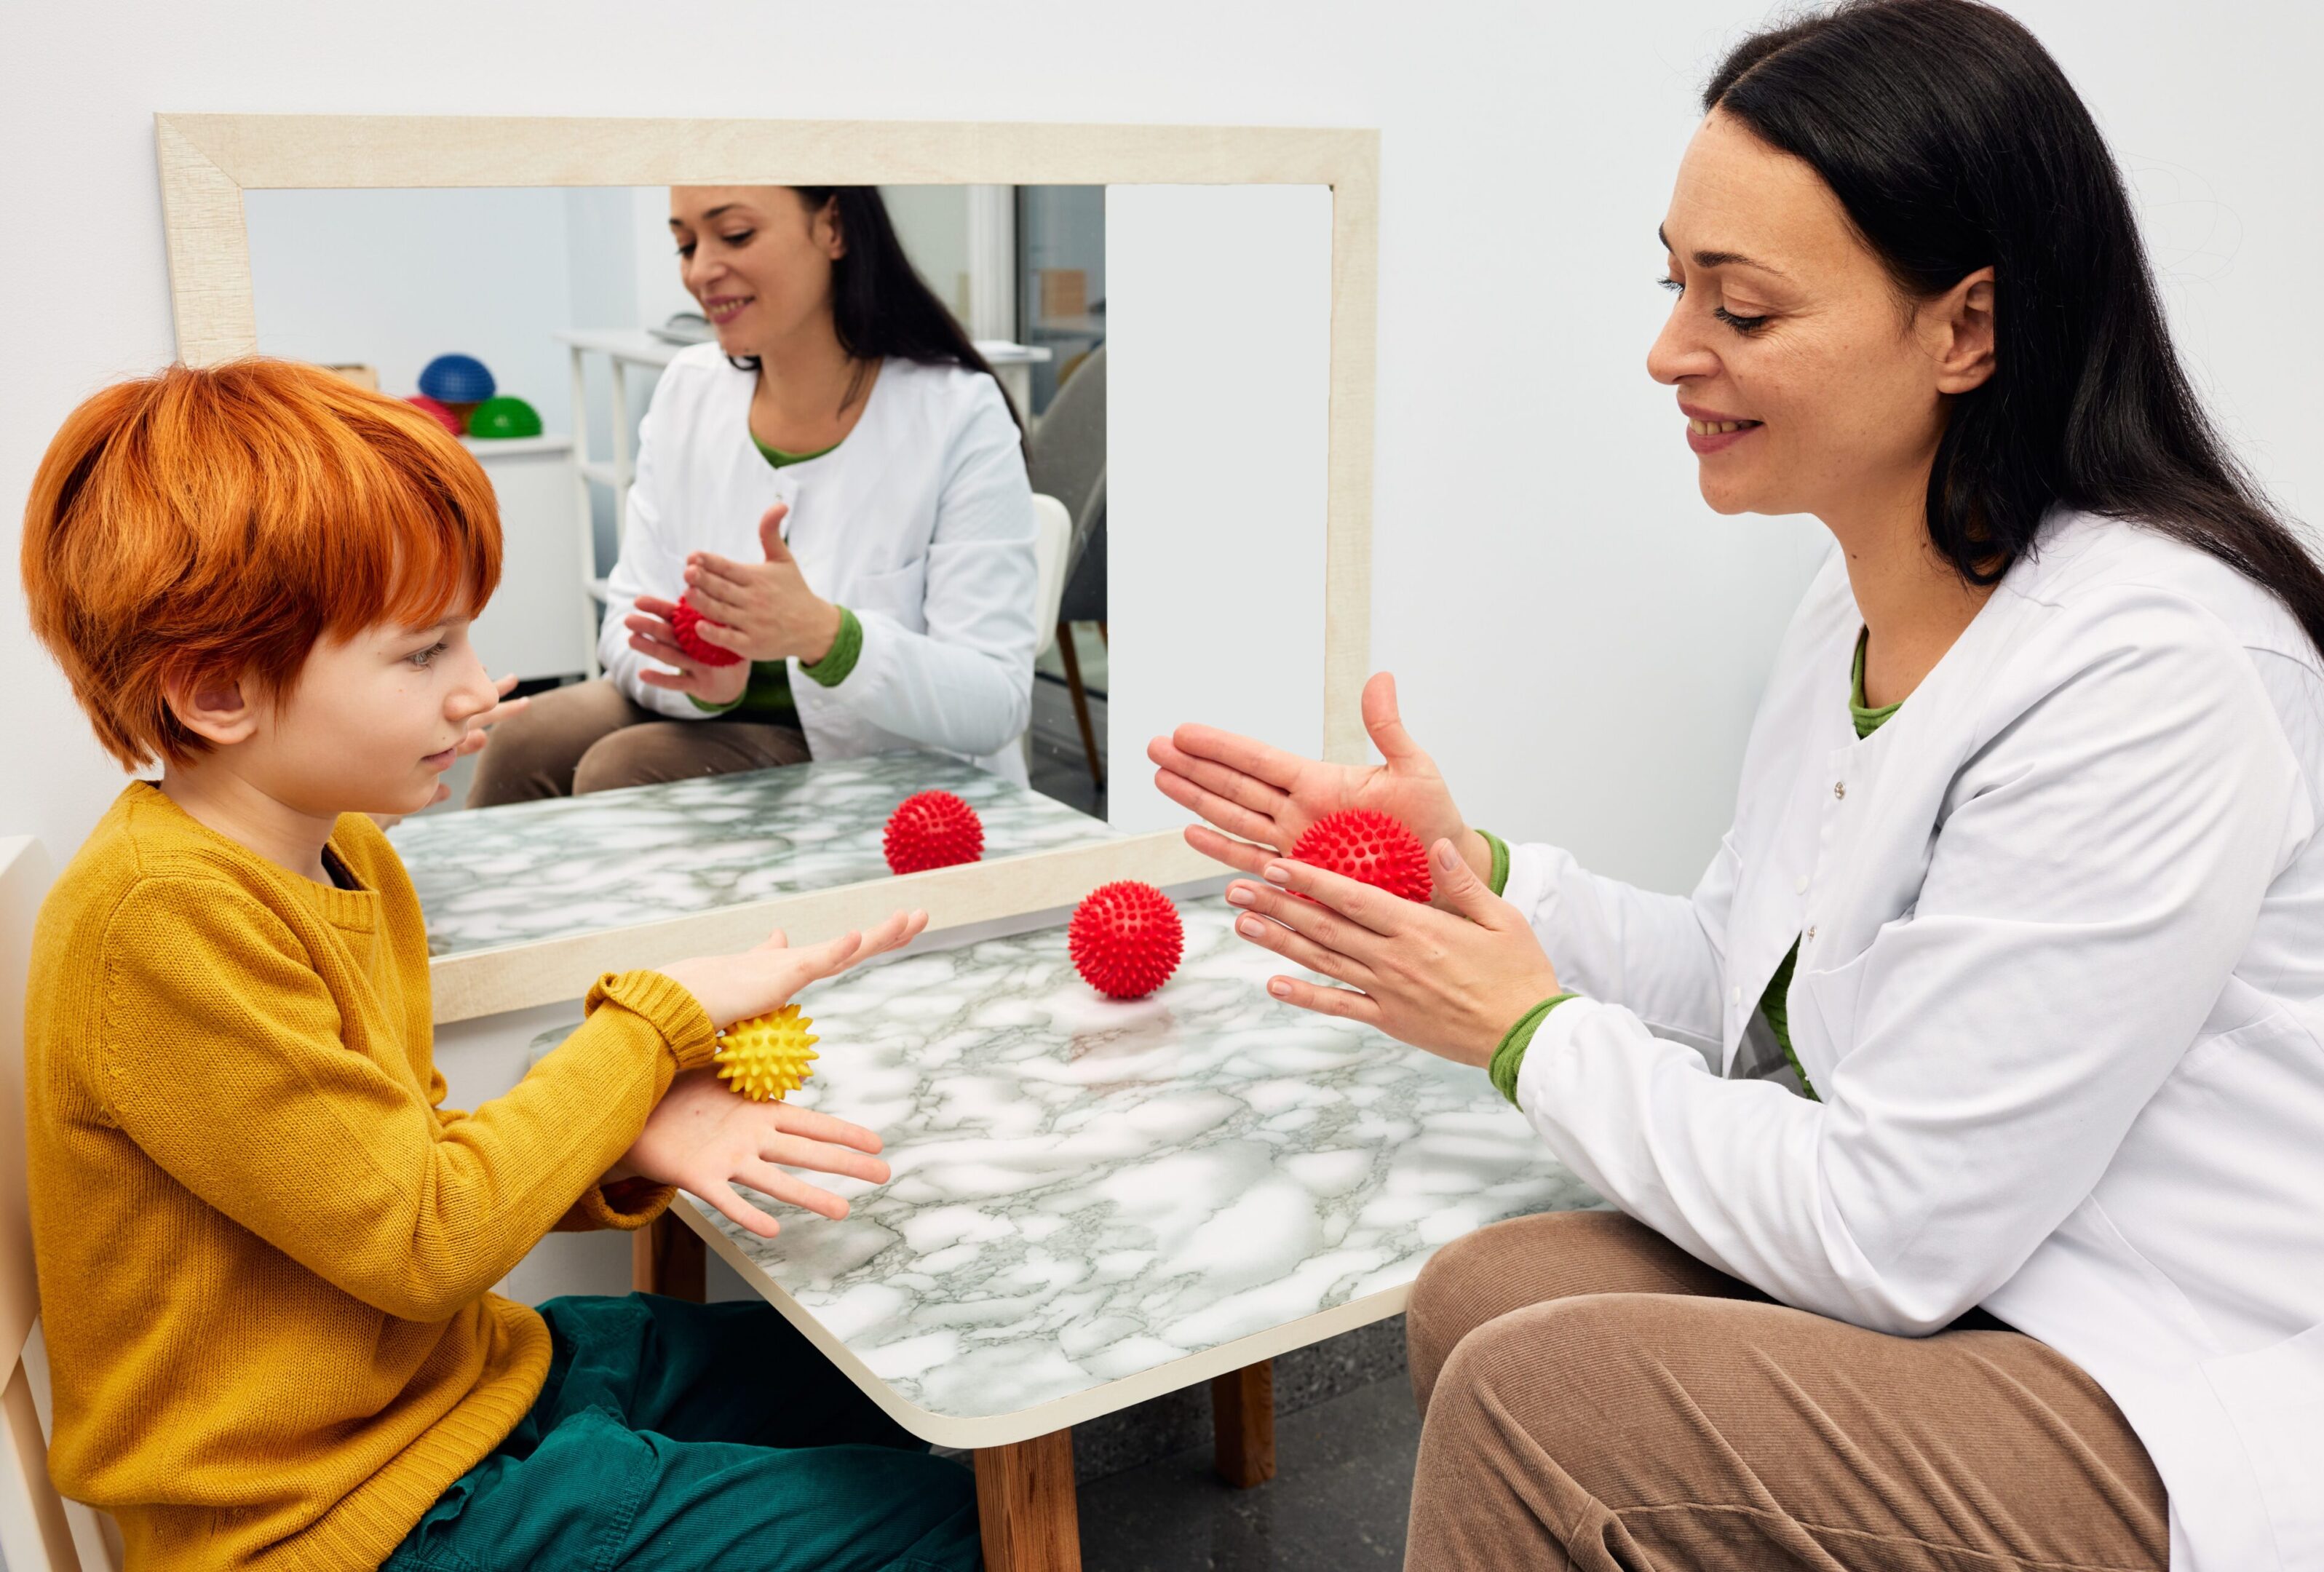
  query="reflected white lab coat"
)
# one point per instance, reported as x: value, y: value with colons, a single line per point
x: 921, y: 523
x: 2062, y: 989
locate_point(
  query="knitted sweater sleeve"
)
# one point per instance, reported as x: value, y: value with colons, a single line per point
x: 241, y: 1078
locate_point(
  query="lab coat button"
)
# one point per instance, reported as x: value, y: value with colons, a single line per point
x: 1736, y: 991
x: 1840, y: 788
x: 1811, y: 933
x: 1800, y: 885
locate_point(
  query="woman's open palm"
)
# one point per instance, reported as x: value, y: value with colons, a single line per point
x: 1258, y: 800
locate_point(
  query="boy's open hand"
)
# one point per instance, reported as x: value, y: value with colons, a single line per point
x: 706, y: 1139
x: 735, y: 987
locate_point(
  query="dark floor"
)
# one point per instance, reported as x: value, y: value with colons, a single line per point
x: 1060, y: 764
x: 1341, y: 1489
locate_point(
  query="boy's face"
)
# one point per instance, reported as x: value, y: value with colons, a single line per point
x: 369, y: 726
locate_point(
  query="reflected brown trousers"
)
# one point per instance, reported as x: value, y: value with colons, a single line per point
x: 592, y: 737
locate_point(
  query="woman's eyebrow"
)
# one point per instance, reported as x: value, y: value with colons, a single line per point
x: 1720, y: 259
x: 706, y: 218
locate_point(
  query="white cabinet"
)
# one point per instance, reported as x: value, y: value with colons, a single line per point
x: 530, y: 626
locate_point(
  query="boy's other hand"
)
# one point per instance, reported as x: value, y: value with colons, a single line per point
x: 735, y: 987
x: 706, y: 1139
x: 654, y: 633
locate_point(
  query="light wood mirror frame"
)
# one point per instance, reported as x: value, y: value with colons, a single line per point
x: 209, y: 160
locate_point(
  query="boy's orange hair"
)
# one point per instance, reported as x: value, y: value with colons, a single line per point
x: 218, y: 523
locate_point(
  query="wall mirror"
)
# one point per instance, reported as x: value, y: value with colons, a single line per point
x: 1177, y: 321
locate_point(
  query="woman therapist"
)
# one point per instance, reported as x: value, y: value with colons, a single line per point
x: 1967, y: 1126
x: 838, y: 482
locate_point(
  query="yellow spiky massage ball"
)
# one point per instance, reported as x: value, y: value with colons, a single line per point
x: 766, y: 1056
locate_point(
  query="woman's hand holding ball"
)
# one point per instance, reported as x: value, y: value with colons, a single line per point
x: 761, y: 610
x: 1260, y: 800
x: 654, y: 633
x: 1453, y: 982
x: 765, y: 609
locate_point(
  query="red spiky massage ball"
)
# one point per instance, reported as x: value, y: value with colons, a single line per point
x: 694, y: 644
x: 1125, y: 939
x: 1369, y: 846
x: 932, y: 830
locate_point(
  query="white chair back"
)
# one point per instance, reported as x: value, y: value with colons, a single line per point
x: 1053, y: 540
x: 39, y: 1531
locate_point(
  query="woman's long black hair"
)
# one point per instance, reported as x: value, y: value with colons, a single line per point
x: 1955, y: 142
x: 879, y: 304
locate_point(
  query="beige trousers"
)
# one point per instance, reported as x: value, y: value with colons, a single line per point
x: 1593, y: 1397
x: 591, y: 737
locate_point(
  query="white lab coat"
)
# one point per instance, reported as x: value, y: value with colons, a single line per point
x: 2063, y: 993
x: 921, y: 523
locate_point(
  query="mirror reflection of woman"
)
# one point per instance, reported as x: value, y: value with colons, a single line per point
x: 1966, y: 1126
x: 838, y: 483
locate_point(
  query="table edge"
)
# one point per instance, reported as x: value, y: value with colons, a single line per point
x: 1059, y: 1413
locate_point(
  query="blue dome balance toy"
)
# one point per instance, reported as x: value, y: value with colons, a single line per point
x: 456, y: 379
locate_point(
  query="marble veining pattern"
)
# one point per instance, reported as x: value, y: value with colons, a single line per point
x: 1083, y: 1190
x: 549, y: 870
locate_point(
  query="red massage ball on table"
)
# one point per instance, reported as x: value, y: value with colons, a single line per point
x: 1125, y: 939
x: 933, y: 830
x: 694, y: 644
x: 1371, y: 847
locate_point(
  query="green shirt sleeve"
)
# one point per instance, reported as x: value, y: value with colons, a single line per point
x: 1497, y: 881
x: 841, y: 657
x: 719, y: 709
x: 1509, y: 1057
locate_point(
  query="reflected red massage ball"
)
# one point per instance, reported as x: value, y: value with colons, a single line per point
x: 1371, y: 847
x: 694, y: 644
x: 932, y: 830
x: 1125, y: 939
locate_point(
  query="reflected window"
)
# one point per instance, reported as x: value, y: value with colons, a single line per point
x: 1060, y: 280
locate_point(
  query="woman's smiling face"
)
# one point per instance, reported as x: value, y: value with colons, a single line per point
x: 1809, y: 384
x: 757, y: 258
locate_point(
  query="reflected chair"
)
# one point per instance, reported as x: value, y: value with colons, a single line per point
x: 1067, y: 461
x: 39, y: 1531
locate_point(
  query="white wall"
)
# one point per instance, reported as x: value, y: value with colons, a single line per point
x: 1227, y: 356
x: 1560, y: 607
x: 397, y: 278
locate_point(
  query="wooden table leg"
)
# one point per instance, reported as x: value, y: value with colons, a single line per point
x: 666, y: 1257
x: 1242, y: 1425
x: 1025, y: 1505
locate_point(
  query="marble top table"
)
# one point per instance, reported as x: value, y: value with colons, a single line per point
x: 1095, y: 1202
x: 530, y: 871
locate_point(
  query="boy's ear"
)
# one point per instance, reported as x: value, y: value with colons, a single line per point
x: 218, y: 709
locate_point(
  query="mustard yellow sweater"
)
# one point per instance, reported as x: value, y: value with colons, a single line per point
x: 264, y: 1245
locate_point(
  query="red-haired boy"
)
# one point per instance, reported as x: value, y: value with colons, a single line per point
x: 265, y: 1249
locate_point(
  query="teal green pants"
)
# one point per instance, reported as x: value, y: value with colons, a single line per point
x: 690, y: 1437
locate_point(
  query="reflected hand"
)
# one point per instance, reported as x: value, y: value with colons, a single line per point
x: 654, y: 633
x: 767, y: 608
x: 1453, y: 982
x: 1268, y: 797
x: 706, y: 1139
